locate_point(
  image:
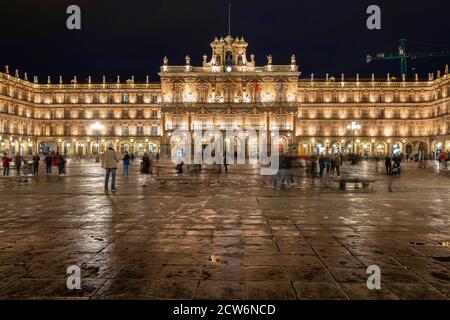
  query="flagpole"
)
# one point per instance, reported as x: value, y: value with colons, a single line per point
x: 229, y: 18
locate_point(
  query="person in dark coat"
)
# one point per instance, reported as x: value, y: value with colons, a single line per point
x: 48, y: 164
x: 388, y: 164
x: 36, y: 160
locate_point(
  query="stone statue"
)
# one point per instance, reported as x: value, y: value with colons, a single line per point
x: 205, y: 58
x: 188, y: 60
x: 165, y: 61
x: 269, y: 59
x: 293, y: 60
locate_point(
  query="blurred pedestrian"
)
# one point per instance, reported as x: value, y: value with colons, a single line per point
x: 5, y: 163
x: 48, y: 164
x: 388, y: 164
x: 18, y: 159
x: 61, y: 164
x: 126, y: 163
x: 36, y: 160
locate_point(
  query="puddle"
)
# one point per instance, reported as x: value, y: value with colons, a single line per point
x: 217, y: 259
x: 97, y: 238
x: 440, y: 276
x: 441, y: 259
x: 205, y: 275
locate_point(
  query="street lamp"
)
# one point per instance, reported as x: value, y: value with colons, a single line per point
x: 96, y: 128
x: 353, y: 127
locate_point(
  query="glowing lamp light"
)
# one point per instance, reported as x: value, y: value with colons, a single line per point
x: 354, y: 126
x: 229, y: 69
x: 97, y: 126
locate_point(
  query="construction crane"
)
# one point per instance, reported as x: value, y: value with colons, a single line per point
x: 404, y: 56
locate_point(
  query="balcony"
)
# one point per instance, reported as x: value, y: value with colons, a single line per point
x: 286, y: 127
x: 170, y: 127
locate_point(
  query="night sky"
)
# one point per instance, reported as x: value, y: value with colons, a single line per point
x: 131, y: 37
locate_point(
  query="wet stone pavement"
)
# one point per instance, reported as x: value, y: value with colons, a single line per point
x: 231, y: 236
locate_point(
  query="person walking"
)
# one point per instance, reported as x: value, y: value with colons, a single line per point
x: 48, y: 164
x: 18, y: 159
x: 337, y: 164
x: 54, y: 161
x: 146, y: 164
x: 5, y: 163
x: 126, y: 163
x: 328, y: 164
x: 321, y: 165
x: 36, y: 160
x: 225, y: 164
x: 110, y: 158
x: 397, y: 164
x: 442, y: 159
x: 61, y: 164
x: 388, y: 164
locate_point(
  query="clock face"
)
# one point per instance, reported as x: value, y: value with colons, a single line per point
x: 228, y: 69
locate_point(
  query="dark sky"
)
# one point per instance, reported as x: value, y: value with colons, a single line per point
x: 131, y: 37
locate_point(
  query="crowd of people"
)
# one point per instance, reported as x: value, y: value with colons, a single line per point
x: 318, y: 166
x: 54, y: 163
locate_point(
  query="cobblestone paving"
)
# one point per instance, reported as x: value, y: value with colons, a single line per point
x: 225, y: 237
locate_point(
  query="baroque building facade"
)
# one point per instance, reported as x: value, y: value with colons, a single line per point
x: 229, y: 91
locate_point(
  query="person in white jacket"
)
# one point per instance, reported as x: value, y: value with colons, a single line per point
x: 110, y: 160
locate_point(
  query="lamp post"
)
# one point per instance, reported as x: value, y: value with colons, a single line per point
x: 353, y: 127
x: 96, y: 128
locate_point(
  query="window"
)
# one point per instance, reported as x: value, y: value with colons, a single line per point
x: 67, y: 130
x: 140, y: 130
x: 125, y: 130
x: 126, y: 98
x: 154, y: 131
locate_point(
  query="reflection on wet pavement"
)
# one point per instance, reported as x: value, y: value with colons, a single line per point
x: 231, y: 236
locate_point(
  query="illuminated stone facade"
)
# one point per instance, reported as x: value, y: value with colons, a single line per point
x: 228, y: 91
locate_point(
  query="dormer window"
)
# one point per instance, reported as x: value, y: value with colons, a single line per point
x: 240, y: 60
x: 229, y: 61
